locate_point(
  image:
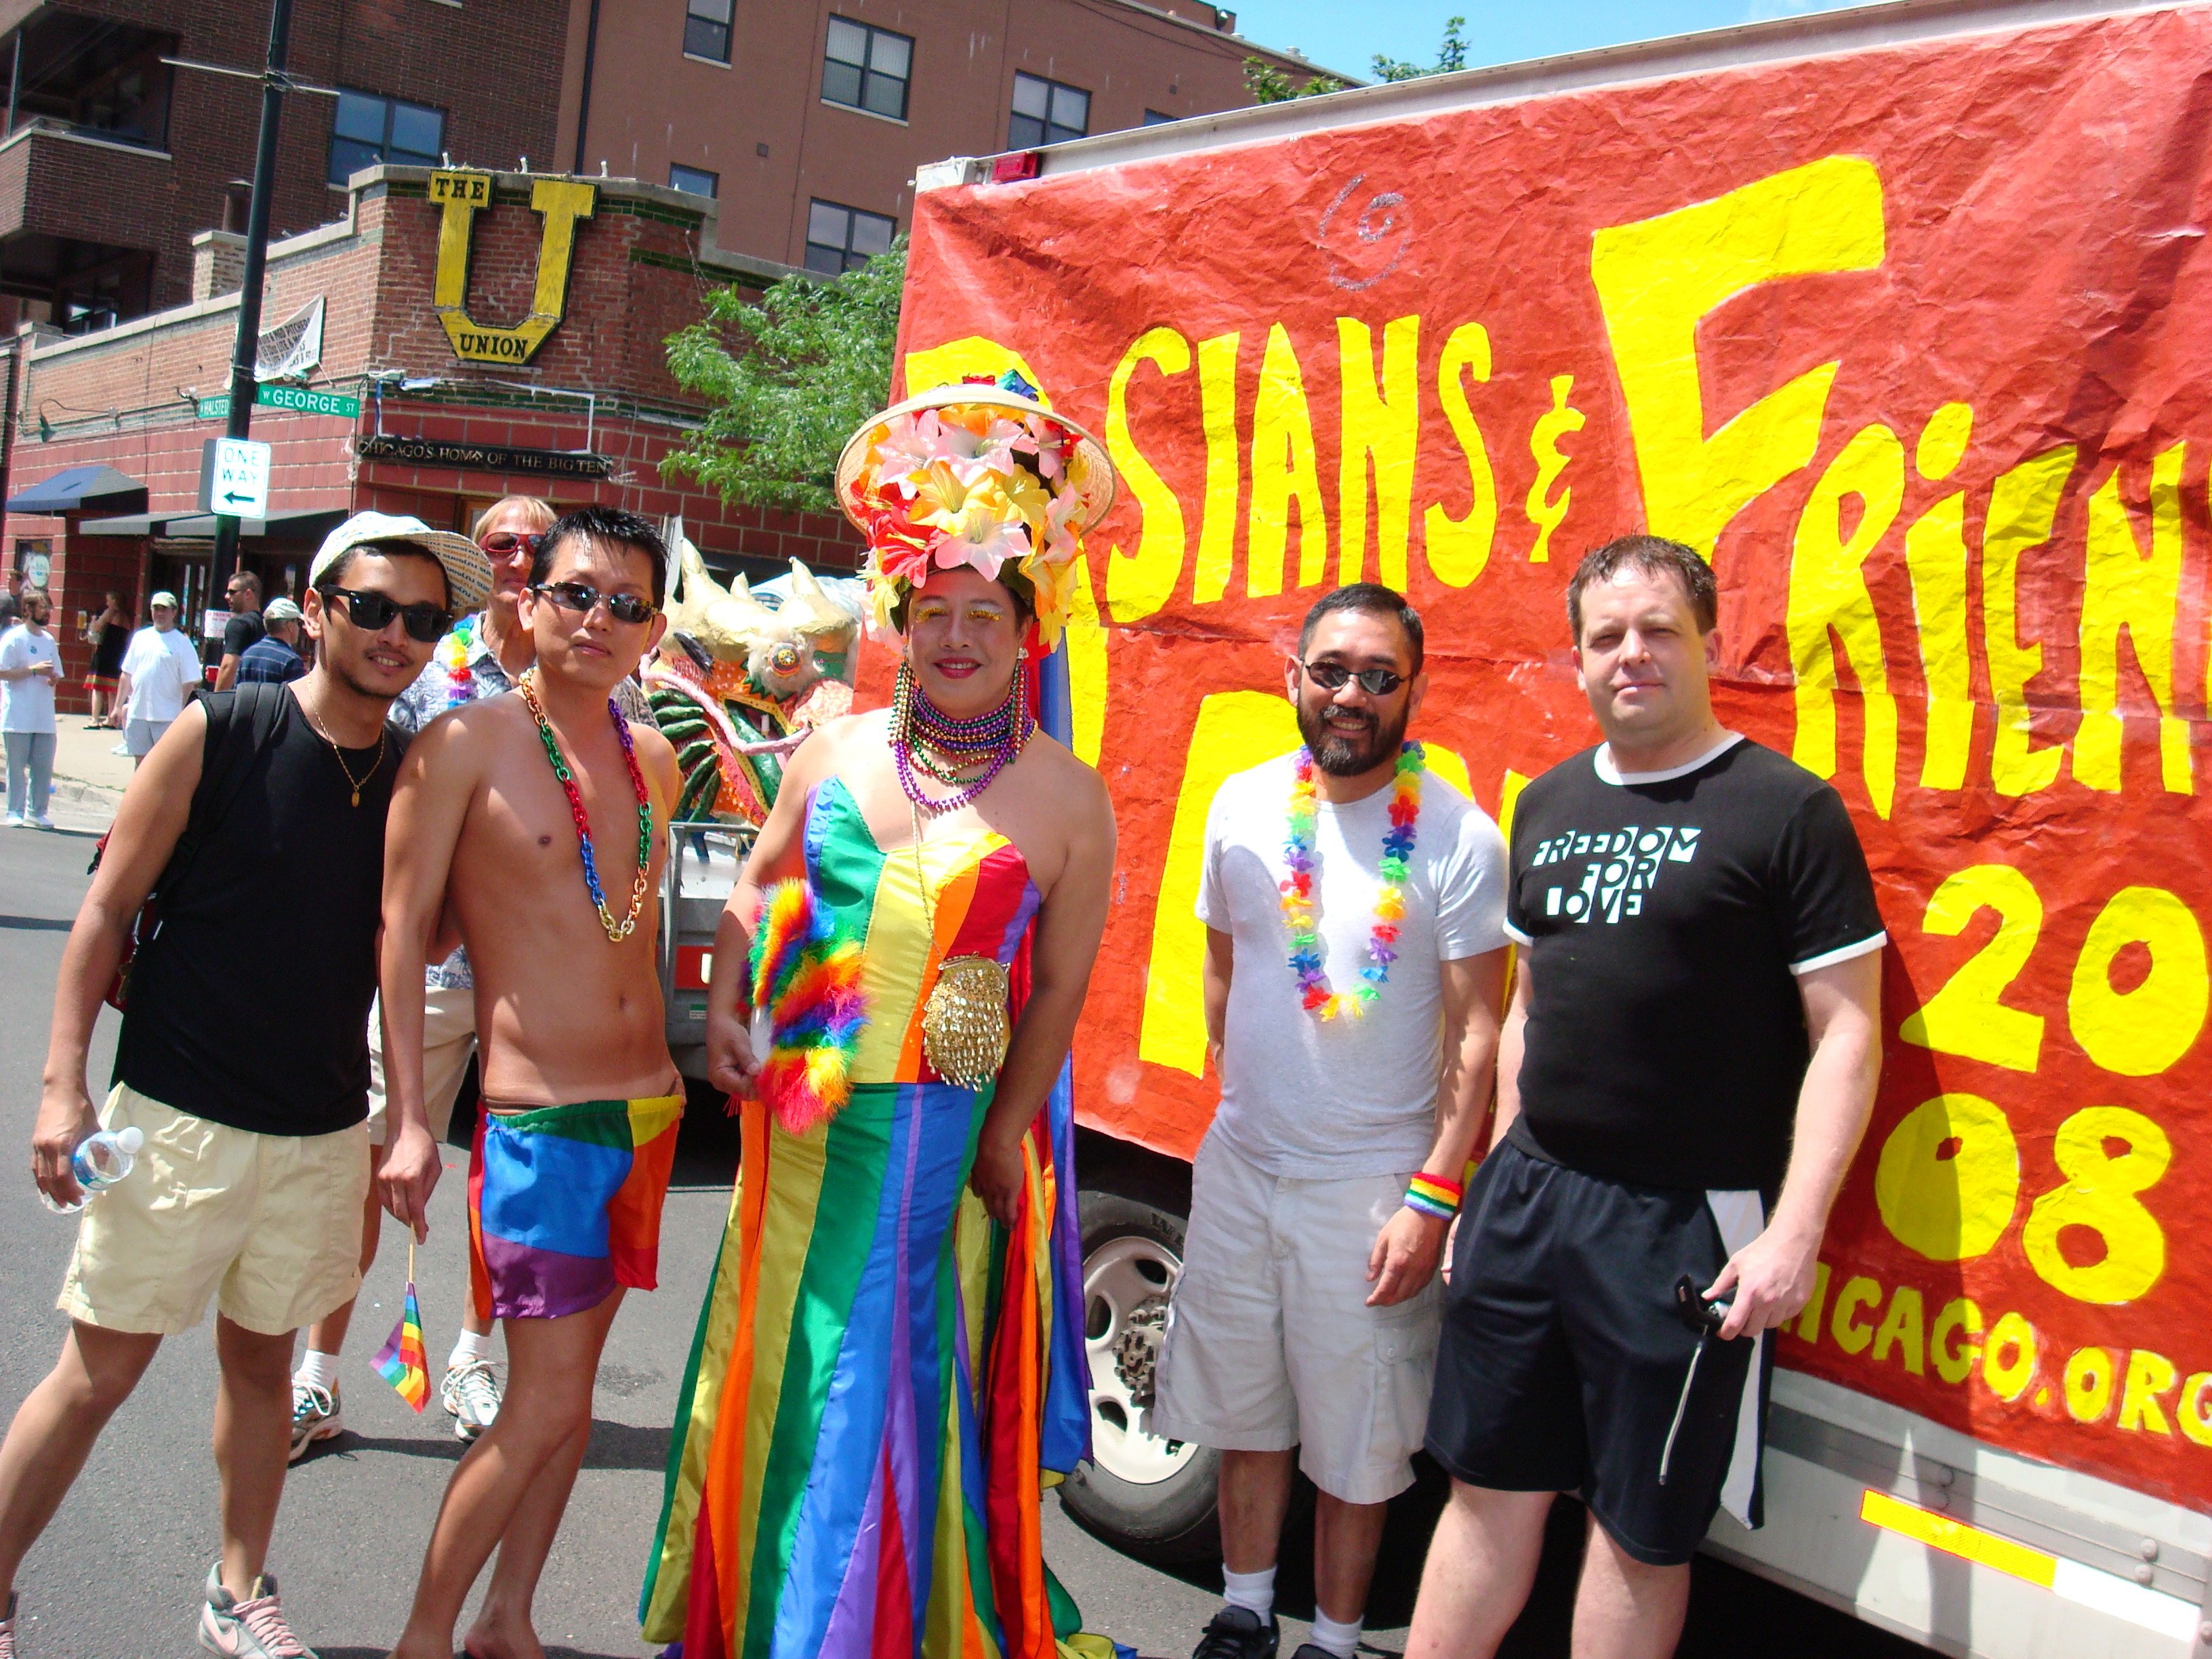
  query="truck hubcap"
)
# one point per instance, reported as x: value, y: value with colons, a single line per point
x: 1126, y: 1283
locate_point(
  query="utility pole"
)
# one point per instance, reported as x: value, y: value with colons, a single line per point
x: 248, y: 349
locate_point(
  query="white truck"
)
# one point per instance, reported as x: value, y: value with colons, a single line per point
x: 1899, y: 315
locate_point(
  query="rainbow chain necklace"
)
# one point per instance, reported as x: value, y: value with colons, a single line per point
x: 616, y: 931
x: 1314, y: 993
x: 991, y: 740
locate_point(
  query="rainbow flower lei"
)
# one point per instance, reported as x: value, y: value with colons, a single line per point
x: 1314, y: 993
x: 454, y: 658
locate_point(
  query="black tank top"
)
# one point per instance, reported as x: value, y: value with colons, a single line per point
x: 249, y: 1007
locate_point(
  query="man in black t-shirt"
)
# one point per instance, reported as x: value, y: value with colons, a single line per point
x: 244, y: 628
x: 245, y: 1076
x: 1685, y: 1072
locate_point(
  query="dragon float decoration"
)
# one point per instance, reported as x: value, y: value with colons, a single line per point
x: 737, y: 685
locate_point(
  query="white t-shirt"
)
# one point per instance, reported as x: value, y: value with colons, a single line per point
x: 1312, y: 1100
x: 162, y: 668
x: 27, y: 704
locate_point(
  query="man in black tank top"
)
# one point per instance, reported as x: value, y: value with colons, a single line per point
x: 246, y: 1076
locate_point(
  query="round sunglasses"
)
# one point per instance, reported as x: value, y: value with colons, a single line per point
x: 1333, y: 676
x: 581, y: 598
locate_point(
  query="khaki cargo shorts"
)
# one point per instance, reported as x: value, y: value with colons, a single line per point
x: 267, y: 1226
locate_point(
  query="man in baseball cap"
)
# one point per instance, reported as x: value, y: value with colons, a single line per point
x: 276, y: 655
x: 159, y: 671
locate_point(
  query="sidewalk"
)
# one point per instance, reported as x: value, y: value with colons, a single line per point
x: 88, y: 780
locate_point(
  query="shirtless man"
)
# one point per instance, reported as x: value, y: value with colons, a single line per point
x: 580, y: 1095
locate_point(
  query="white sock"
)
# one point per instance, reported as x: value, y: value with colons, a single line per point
x: 317, y: 1370
x: 1342, y: 1640
x: 1254, y: 1591
x: 468, y: 1347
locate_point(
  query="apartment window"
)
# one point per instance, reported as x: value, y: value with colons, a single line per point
x: 1046, y: 112
x: 867, y: 69
x: 1154, y: 118
x: 693, y: 181
x: 370, y: 128
x: 840, y: 238
x: 706, y: 29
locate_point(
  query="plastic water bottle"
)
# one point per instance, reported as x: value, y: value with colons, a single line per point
x: 100, y: 1160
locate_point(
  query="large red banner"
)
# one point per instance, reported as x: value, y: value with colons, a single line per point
x: 1915, y: 343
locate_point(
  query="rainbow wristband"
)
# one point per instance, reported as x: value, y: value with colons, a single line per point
x: 1433, y: 1195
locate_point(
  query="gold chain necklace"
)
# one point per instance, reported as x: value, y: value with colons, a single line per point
x: 339, y: 754
x: 964, y: 1029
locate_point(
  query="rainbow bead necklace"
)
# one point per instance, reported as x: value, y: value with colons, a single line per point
x: 616, y: 931
x: 1314, y: 991
x: 990, y: 740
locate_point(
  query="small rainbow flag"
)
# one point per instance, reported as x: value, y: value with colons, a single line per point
x: 403, y: 1361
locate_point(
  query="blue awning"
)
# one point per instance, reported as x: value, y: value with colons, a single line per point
x: 82, y: 489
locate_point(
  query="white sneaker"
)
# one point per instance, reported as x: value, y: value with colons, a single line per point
x: 471, y: 1396
x: 12, y: 821
x: 315, y: 1416
x: 253, y: 1628
x: 39, y: 821
x: 124, y: 748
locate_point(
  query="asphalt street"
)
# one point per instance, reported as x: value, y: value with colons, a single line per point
x: 118, y: 1574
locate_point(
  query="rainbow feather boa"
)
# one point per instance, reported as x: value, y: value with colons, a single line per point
x: 806, y: 973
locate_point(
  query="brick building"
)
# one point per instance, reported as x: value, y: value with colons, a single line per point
x: 589, y: 417
x: 808, y: 117
x: 718, y: 141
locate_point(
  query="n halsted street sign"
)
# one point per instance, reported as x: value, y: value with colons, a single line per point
x: 458, y: 194
x: 485, y: 458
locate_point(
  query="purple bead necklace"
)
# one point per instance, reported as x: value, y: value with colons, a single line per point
x: 990, y: 740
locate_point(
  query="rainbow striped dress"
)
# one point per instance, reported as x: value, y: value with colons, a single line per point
x: 883, y: 1381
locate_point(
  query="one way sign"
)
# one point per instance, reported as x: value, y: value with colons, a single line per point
x: 234, y: 478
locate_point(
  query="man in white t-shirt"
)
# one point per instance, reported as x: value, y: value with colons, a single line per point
x: 1354, y: 904
x: 30, y: 667
x: 159, y: 669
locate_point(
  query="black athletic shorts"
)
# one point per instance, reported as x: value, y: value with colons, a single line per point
x: 1563, y: 1359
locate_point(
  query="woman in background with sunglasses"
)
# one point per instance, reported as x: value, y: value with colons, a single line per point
x: 482, y: 656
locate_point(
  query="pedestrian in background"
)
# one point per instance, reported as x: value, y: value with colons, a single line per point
x: 275, y: 657
x: 1695, y: 1025
x: 249, y: 1189
x: 108, y: 633
x: 1354, y: 904
x: 30, y: 668
x: 160, y: 670
x: 482, y: 656
x: 244, y: 629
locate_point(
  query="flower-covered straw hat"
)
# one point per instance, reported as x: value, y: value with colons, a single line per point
x: 980, y: 474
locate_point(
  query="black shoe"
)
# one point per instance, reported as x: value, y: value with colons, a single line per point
x: 1312, y: 1651
x: 1237, y: 1633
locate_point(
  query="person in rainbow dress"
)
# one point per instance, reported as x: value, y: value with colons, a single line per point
x: 889, y: 1365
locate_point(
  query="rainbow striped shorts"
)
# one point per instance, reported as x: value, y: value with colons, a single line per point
x: 564, y: 1204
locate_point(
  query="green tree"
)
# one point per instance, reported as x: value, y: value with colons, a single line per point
x: 1451, y: 57
x: 1270, y: 84
x: 787, y: 380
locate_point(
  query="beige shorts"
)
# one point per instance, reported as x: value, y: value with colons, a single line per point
x: 449, y: 1037
x: 268, y: 1226
x: 1270, y: 1343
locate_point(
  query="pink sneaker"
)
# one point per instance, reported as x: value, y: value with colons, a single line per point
x: 253, y: 1628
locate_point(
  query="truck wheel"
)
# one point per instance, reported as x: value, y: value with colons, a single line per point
x: 1144, y: 1495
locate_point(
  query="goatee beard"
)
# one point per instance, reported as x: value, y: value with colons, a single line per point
x: 1343, y: 757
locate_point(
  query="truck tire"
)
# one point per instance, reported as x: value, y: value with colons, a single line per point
x: 1148, y: 1497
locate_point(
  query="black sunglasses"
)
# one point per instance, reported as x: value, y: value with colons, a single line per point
x: 375, y: 611
x: 581, y: 597
x: 1332, y: 677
